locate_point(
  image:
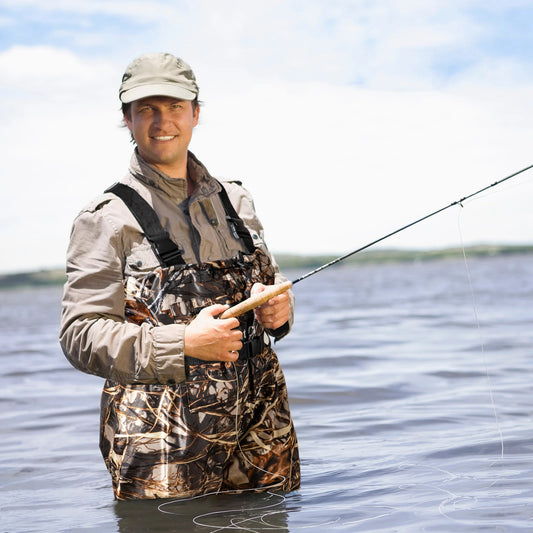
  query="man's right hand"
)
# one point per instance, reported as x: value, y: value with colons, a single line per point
x: 213, y: 339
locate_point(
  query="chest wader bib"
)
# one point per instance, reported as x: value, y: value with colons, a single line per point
x: 228, y: 426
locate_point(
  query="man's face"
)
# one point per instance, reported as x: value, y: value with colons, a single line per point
x: 162, y: 128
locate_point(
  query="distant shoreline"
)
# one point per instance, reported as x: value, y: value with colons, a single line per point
x: 287, y: 261
x: 54, y: 277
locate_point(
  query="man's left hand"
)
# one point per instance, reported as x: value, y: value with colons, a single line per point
x: 274, y: 313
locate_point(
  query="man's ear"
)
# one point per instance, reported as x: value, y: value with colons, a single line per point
x: 127, y: 121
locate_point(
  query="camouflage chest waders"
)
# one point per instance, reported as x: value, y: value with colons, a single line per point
x: 228, y: 426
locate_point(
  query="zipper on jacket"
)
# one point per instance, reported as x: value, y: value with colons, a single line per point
x: 209, y: 212
x: 194, y: 233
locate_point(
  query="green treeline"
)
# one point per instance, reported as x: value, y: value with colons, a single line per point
x: 391, y: 255
x: 57, y: 276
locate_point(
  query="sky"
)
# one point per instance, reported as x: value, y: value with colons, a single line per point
x: 345, y: 119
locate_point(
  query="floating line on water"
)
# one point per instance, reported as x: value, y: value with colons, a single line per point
x: 235, y: 523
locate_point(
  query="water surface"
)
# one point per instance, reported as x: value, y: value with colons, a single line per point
x: 410, y: 390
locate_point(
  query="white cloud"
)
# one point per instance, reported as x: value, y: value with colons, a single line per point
x: 376, y: 43
x: 333, y: 167
x: 49, y: 71
x: 55, y: 145
x: 339, y: 117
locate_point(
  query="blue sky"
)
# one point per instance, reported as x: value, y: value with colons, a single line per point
x: 345, y: 119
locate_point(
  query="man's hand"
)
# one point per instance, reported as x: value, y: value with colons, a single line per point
x: 274, y: 313
x: 213, y: 339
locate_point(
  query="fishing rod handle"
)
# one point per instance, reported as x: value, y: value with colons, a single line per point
x: 256, y: 300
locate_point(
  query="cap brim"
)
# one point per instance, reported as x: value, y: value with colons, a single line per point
x: 143, y: 91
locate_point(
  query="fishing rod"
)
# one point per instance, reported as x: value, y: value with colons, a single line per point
x: 259, y: 299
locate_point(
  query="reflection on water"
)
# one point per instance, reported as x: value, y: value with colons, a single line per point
x: 412, y: 406
x: 250, y: 511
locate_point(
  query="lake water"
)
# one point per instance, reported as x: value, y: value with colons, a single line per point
x: 411, y: 392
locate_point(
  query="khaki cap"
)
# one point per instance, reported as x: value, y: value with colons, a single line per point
x: 158, y: 75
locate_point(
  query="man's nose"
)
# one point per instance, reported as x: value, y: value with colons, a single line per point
x: 161, y: 117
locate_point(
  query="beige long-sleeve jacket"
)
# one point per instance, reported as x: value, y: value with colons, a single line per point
x: 107, y: 245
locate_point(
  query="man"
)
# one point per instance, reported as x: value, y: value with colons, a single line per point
x: 192, y: 403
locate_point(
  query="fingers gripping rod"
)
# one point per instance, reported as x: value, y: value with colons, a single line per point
x: 256, y: 300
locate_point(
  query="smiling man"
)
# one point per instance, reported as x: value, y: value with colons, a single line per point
x: 192, y: 403
x: 162, y: 128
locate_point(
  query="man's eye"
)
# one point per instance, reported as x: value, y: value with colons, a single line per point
x: 177, y: 106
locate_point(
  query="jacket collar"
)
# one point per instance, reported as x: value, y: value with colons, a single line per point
x: 204, y: 183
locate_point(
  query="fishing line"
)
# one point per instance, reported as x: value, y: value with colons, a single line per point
x: 237, y: 524
x: 454, y: 498
x: 260, y: 298
x: 265, y: 511
x: 436, y: 212
x: 481, y: 337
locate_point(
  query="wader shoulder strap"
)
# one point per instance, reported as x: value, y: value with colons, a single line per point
x: 235, y: 222
x: 165, y: 249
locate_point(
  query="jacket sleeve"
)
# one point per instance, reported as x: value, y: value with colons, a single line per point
x: 244, y: 204
x: 94, y: 334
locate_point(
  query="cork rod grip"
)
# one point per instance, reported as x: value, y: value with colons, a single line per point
x: 256, y: 300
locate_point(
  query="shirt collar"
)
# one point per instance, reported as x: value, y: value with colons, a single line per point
x: 204, y: 183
